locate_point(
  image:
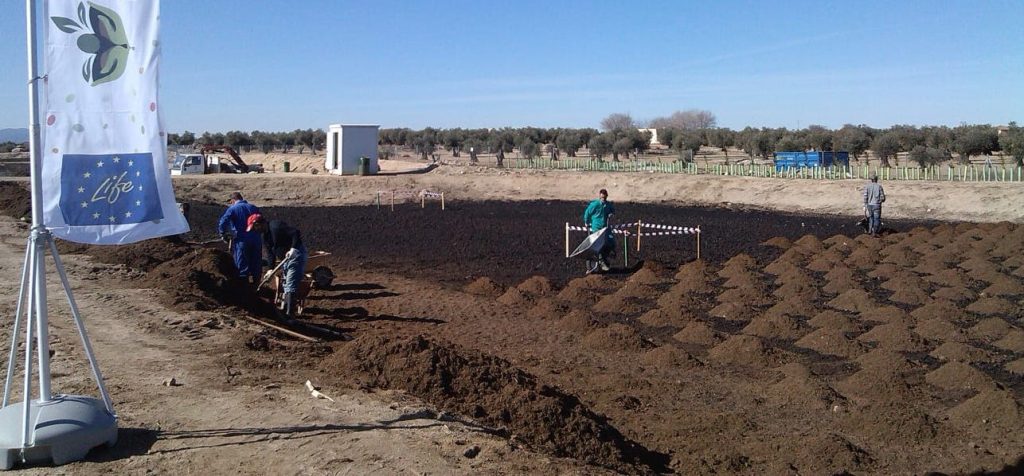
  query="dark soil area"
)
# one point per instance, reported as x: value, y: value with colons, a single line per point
x: 511, y: 241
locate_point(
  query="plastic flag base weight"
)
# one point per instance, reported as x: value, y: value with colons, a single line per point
x: 66, y: 428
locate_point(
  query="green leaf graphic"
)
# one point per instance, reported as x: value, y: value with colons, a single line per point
x: 81, y: 12
x: 85, y: 68
x: 66, y: 25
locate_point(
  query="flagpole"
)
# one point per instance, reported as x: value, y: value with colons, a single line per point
x: 39, y: 235
x: 55, y: 429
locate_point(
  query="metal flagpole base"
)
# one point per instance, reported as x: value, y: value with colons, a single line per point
x: 65, y: 428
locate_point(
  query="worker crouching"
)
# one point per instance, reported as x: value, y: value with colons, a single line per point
x: 283, y: 243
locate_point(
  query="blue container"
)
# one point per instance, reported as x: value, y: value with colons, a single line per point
x: 810, y: 159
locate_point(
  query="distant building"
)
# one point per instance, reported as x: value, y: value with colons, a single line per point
x: 654, y: 135
x: 1001, y: 129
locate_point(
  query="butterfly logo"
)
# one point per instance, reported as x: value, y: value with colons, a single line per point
x: 102, y: 38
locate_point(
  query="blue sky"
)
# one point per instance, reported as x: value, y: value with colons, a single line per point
x: 280, y: 65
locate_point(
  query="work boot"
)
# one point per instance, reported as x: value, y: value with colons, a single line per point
x: 604, y: 265
x: 289, y: 305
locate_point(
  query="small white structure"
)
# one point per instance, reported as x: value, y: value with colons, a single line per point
x: 347, y: 143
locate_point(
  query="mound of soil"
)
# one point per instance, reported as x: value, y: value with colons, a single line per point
x: 896, y: 337
x: 940, y: 330
x: 893, y: 421
x: 840, y: 280
x: 791, y: 307
x: 776, y: 326
x: 992, y: 410
x: 738, y: 262
x: 143, y: 256
x: 667, y: 317
x: 580, y: 296
x: 536, y: 286
x: 622, y: 305
x: 831, y: 342
x: 834, y: 320
x: 779, y: 242
x: 802, y: 389
x: 747, y: 350
x: 885, y: 271
x: 1013, y: 341
x: 749, y: 296
x: 882, y: 378
x: 993, y: 306
x: 1016, y: 367
x: 15, y: 200
x: 841, y: 243
x: 989, y: 329
x: 886, y: 315
x: 204, y: 279
x: 646, y: 276
x: 796, y: 290
x: 734, y: 311
x: 940, y: 309
x: 497, y: 394
x: 863, y: 258
x: 810, y: 243
x: 853, y: 300
x: 579, y: 320
x: 1004, y: 285
x: 677, y: 300
x: 667, y: 357
x: 949, y: 277
x: 616, y: 338
x: 956, y: 294
x: 958, y: 375
x: 782, y: 267
x: 547, y: 309
x: 699, y: 333
x: 516, y: 298
x: 961, y: 352
x: 746, y: 279
x: 484, y: 287
x: 910, y: 296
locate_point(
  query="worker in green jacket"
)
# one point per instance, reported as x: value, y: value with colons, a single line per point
x: 597, y: 216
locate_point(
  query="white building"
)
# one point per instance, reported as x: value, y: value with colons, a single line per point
x: 654, y: 135
x: 347, y: 143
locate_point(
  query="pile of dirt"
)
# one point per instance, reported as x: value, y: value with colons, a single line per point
x: 1013, y: 341
x: 882, y: 378
x: 747, y: 350
x: 667, y: 357
x: 940, y: 330
x: 620, y: 304
x: 695, y: 277
x: 204, y: 279
x: 698, y: 333
x: 944, y: 309
x: 956, y: 294
x: 993, y: 306
x: 803, y: 389
x: 853, y: 300
x: 779, y: 242
x: 143, y: 256
x: 776, y: 326
x: 958, y: 375
x: 15, y: 200
x: 667, y: 317
x: 896, y: 337
x: 547, y: 309
x: 830, y: 319
x: 1004, y: 286
x: 992, y: 410
x: 961, y: 352
x: 831, y: 342
x: 616, y: 338
x: 885, y: 315
x: 536, y: 286
x: 579, y: 320
x: 989, y: 330
x: 497, y: 394
x: 484, y: 287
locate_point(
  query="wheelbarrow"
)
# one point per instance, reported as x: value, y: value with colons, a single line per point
x: 320, y: 277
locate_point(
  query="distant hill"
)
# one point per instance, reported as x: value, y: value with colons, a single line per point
x: 13, y: 135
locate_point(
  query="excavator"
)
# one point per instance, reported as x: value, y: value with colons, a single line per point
x: 209, y: 160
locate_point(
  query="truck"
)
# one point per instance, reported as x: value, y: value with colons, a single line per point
x: 210, y: 159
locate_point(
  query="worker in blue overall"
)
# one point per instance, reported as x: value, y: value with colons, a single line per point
x: 245, y: 246
x: 283, y: 243
x: 597, y: 216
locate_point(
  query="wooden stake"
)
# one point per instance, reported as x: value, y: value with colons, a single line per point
x: 698, y: 243
x: 423, y: 201
x: 281, y: 329
x: 566, y: 239
x: 392, y: 200
x: 442, y: 200
x: 638, y: 225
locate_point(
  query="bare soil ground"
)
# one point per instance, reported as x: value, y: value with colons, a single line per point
x: 796, y: 346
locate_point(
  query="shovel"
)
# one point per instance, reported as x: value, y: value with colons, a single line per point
x: 270, y: 274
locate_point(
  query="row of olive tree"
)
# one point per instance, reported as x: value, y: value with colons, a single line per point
x: 302, y: 139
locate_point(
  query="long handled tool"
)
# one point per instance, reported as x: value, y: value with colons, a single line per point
x: 266, y: 277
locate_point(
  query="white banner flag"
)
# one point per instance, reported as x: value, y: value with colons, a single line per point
x: 105, y: 178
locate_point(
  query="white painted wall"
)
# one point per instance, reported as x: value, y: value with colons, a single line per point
x: 346, y: 143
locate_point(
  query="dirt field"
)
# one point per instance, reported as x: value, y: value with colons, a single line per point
x: 796, y: 346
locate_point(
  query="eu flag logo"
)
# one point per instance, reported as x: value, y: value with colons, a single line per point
x: 108, y: 189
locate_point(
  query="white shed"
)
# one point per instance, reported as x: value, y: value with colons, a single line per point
x: 346, y: 143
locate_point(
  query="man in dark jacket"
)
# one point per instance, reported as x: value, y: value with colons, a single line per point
x: 874, y: 196
x: 283, y: 242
